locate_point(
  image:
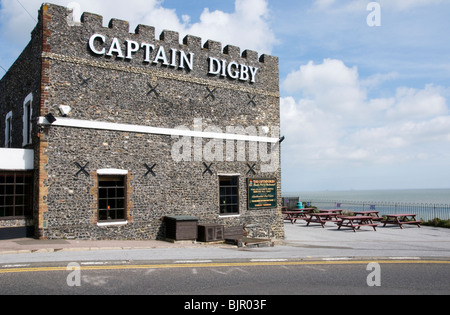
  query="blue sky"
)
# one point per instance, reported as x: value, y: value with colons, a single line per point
x: 362, y: 107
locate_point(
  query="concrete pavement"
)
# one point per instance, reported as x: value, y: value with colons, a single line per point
x: 301, y: 242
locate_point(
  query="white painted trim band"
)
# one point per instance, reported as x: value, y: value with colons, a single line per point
x: 16, y: 159
x: 112, y: 223
x: 111, y: 171
x: 90, y: 124
x: 228, y: 174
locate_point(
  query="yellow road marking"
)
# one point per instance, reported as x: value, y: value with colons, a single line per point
x: 224, y: 264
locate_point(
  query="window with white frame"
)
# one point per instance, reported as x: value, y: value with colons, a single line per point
x: 27, y: 114
x: 8, y: 130
x: 229, y: 195
x: 16, y: 194
x: 111, y: 197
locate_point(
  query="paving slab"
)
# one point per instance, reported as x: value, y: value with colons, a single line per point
x: 301, y: 242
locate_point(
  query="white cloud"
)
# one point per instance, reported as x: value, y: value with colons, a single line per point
x: 418, y: 104
x: 334, y: 6
x: 18, y: 24
x: 401, y: 5
x: 335, y: 122
x: 375, y: 80
x: 247, y: 27
x: 331, y: 84
x: 360, y: 6
x: 323, y: 4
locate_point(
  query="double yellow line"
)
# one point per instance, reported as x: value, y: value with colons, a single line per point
x: 220, y: 264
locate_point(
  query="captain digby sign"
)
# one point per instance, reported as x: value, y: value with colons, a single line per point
x: 141, y: 99
x: 174, y: 58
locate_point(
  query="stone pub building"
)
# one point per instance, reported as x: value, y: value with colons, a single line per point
x: 104, y: 133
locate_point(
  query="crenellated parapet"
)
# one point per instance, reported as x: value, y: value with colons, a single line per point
x: 90, y: 40
x: 145, y: 32
x: 177, y: 126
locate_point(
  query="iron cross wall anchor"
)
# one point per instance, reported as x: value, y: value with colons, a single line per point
x: 150, y: 170
x: 252, y: 100
x: 251, y: 169
x: 211, y: 93
x: 84, y: 81
x: 152, y: 90
x: 82, y: 169
x: 207, y: 168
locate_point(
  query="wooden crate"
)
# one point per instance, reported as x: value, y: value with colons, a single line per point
x: 210, y: 232
x: 181, y: 228
x: 234, y: 232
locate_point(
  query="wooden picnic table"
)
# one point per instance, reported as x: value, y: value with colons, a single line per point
x: 339, y: 211
x: 305, y: 210
x: 296, y: 214
x: 322, y: 218
x: 401, y: 219
x: 372, y: 213
x: 356, y: 221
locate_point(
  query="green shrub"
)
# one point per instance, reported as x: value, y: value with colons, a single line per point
x: 437, y: 223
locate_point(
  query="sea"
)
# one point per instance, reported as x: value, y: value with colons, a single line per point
x: 428, y: 196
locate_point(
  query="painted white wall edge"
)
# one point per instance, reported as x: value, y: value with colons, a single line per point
x: 91, y: 124
x: 16, y: 159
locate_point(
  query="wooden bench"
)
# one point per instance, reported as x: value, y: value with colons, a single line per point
x: 294, y: 215
x: 322, y: 218
x: 233, y: 232
x: 355, y: 222
x: 373, y: 213
x: 400, y: 219
x: 338, y: 211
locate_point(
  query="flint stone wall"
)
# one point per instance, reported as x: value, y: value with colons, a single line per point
x: 112, y: 89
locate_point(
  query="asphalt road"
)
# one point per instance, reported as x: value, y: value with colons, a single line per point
x: 311, y: 260
x: 230, y: 279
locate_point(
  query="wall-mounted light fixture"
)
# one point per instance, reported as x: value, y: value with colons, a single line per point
x: 265, y: 130
x: 64, y: 110
x: 50, y: 118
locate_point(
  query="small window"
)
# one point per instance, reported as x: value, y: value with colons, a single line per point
x: 27, y: 115
x: 8, y: 130
x: 229, y: 194
x: 16, y: 195
x: 111, y: 198
x: 27, y: 122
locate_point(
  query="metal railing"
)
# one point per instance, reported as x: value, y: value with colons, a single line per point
x: 424, y: 211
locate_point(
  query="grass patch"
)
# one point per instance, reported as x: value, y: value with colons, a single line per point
x: 436, y: 222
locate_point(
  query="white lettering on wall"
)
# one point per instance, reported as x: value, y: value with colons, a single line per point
x: 175, y: 58
x: 129, y: 48
x: 148, y: 49
x: 115, y: 49
x: 132, y: 47
x: 233, y: 70
x: 92, y: 44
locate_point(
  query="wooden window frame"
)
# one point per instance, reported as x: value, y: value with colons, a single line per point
x: 16, y: 195
x: 8, y: 130
x: 27, y: 120
x: 112, y: 199
x: 229, y: 195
